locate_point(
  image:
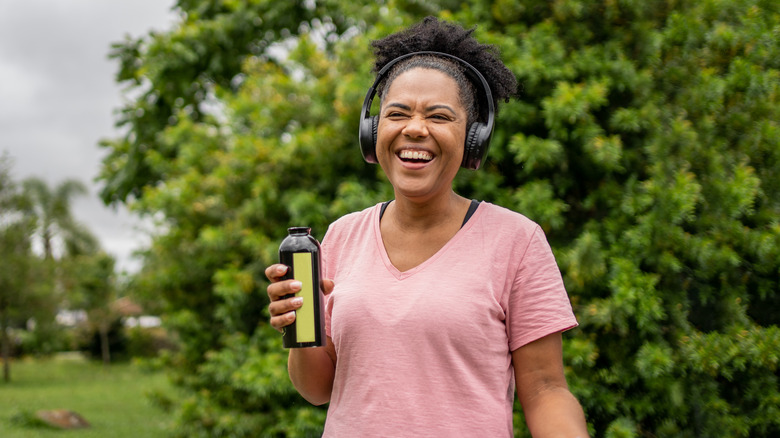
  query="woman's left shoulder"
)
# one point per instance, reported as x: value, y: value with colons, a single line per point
x: 496, y: 214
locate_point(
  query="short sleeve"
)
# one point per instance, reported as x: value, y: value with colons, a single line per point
x: 538, y: 304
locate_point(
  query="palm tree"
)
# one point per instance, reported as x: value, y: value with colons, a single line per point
x: 54, y: 216
x: 84, y: 273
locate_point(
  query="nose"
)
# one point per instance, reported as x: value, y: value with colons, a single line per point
x: 415, y: 128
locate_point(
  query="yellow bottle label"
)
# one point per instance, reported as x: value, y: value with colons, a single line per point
x: 304, y: 317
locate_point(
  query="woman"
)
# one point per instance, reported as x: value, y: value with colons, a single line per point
x: 439, y: 308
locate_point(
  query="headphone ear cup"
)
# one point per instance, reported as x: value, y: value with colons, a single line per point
x: 475, y: 146
x: 368, y: 128
x: 374, y: 130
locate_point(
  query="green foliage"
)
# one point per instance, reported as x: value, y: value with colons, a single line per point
x: 643, y: 138
x: 21, y: 296
x: 37, y: 282
x: 645, y: 142
x: 44, y: 340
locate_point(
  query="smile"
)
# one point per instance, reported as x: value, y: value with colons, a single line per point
x: 415, y: 156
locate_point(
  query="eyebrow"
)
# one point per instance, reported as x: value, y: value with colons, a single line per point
x: 430, y: 108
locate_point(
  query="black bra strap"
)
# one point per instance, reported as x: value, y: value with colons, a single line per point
x: 472, y: 209
x: 383, y: 208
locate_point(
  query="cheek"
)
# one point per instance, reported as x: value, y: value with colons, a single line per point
x: 454, y: 141
x: 384, y: 137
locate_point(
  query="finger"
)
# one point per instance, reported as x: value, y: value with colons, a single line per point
x: 282, y: 289
x: 282, y: 307
x: 275, y: 272
x: 283, y: 312
x: 327, y: 286
x: 282, y: 321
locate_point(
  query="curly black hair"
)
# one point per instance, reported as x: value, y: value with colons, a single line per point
x: 432, y: 34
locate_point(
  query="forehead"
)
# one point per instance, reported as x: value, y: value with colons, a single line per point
x: 423, y: 82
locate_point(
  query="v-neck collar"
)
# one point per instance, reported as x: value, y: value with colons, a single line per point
x: 402, y: 275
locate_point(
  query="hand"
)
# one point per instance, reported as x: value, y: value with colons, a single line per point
x: 281, y: 293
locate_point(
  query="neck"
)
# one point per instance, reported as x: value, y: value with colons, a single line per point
x: 420, y: 216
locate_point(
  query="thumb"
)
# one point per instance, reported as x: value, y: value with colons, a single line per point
x: 327, y: 286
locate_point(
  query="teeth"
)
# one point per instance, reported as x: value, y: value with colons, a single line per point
x: 415, y: 155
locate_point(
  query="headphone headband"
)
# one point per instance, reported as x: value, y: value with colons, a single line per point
x: 477, y: 137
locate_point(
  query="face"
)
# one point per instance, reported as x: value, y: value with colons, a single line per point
x: 421, y: 133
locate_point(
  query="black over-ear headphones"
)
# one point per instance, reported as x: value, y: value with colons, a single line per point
x: 477, y: 137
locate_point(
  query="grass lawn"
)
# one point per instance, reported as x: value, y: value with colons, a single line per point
x: 112, y: 399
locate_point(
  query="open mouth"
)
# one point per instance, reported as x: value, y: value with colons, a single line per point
x: 412, y: 156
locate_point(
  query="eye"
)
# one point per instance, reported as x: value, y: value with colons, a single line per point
x: 395, y: 115
x: 440, y: 117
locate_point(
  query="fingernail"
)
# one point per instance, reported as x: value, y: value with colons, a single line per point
x: 281, y: 269
x: 297, y: 301
x: 297, y: 285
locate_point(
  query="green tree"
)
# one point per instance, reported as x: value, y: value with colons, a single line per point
x: 647, y: 137
x: 93, y: 287
x: 35, y: 284
x: 17, y: 302
x: 60, y: 238
x: 645, y: 143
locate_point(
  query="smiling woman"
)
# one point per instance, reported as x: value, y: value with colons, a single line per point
x: 432, y: 288
x: 421, y: 116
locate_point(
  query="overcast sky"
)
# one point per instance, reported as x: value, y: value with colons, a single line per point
x: 58, y: 97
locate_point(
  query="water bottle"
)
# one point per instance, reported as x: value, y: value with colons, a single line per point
x: 301, y: 253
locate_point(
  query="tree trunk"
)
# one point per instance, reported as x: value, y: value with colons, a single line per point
x: 104, y: 347
x: 47, y: 247
x: 5, y: 347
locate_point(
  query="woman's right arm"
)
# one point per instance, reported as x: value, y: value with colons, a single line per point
x: 311, y: 369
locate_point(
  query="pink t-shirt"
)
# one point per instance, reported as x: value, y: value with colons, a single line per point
x: 427, y: 352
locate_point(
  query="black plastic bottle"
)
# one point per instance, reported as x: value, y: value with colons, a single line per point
x: 301, y: 253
